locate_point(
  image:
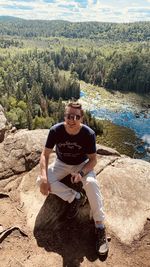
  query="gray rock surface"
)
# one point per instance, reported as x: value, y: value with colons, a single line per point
x: 20, y: 151
x: 125, y: 186
x: 124, y: 183
x: 103, y: 150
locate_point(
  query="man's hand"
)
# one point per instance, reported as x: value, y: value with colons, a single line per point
x: 45, y: 187
x: 76, y: 177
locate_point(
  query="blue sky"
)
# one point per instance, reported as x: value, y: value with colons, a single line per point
x: 78, y: 10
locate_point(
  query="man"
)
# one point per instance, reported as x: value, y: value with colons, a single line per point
x: 76, y: 155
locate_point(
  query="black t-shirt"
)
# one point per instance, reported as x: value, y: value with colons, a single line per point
x: 71, y: 149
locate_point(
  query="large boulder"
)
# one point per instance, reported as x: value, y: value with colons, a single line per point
x: 20, y: 151
x: 125, y: 186
x: 124, y: 183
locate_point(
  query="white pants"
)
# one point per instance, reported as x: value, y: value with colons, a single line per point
x: 58, y: 170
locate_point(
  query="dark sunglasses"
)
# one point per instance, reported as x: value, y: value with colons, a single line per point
x: 72, y: 117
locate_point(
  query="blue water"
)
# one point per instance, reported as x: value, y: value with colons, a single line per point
x: 139, y: 123
x: 127, y: 117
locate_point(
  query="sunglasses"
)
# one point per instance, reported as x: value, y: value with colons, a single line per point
x: 72, y: 117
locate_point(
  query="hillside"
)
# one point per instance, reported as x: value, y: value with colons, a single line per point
x: 112, y: 32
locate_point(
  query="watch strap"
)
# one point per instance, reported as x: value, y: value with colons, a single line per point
x: 81, y: 173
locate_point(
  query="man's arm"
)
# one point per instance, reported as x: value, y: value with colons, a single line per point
x: 44, y: 159
x: 77, y: 177
x: 90, y: 164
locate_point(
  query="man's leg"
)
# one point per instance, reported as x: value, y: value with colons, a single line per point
x: 56, y: 172
x: 91, y: 187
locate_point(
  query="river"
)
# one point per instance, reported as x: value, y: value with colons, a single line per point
x: 125, y: 119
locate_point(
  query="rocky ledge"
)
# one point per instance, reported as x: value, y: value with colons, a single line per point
x: 124, y: 183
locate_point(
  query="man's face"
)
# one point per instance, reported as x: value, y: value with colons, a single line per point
x: 73, y: 117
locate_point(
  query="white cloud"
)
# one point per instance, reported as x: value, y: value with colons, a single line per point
x: 75, y: 11
x: 90, y: 3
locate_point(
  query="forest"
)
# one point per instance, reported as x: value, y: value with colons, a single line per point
x: 35, y: 55
x: 110, y: 32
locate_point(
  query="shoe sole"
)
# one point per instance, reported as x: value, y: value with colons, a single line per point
x: 104, y: 253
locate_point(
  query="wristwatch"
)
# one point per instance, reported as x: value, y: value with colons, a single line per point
x: 81, y: 173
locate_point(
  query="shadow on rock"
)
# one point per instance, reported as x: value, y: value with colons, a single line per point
x: 72, y: 239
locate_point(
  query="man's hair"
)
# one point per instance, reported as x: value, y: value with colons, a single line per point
x: 75, y: 105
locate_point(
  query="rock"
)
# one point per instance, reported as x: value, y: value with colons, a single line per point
x: 21, y: 151
x: 124, y: 185
x: 103, y: 150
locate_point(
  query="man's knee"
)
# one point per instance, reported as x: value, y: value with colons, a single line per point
x: 91, y: 181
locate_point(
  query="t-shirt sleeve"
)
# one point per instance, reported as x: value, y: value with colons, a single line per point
x: 51, y: 139
x: 91, y: 144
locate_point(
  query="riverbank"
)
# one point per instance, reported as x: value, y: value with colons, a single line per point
x: 127, y: 110
x: 113, y: 100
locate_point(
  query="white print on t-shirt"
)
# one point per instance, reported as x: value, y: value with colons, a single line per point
x: 69, y: 145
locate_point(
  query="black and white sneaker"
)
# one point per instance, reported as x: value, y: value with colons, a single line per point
x: 101, y: 241
x: 73, y: 209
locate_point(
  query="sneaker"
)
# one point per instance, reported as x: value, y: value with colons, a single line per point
x: 101, y: 241
x: 74, y: 206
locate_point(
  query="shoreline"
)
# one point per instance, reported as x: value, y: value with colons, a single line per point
x: 125, y: 110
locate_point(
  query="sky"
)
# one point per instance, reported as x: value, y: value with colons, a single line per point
x: 78, y: 10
